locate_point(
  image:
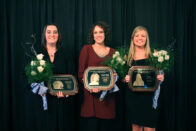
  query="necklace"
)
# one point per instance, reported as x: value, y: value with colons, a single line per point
x: 51, y: 55
x: 101, y: 52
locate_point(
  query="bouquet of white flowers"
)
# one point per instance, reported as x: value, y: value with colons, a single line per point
x: 162, y: 60
x: 118, y: 62
x: 38, y: 70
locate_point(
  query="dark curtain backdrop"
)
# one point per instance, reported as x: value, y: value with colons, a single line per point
x: 166, y: 20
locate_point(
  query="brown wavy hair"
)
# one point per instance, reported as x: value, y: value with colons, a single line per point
x: 106, y: 29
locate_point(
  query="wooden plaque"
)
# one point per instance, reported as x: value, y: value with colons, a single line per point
x: 100, y: 77
x: 143, y: 78
x: 65, y: 83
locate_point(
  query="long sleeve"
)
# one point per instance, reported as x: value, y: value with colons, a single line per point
x: 91, y: 105
x: 23, y: 76
x: 83, y: 62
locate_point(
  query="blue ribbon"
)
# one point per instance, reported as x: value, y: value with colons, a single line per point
x: 157, y: 93
x: 114, y: 89
x: 41, y: 89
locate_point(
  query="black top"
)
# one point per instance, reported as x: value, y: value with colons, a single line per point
x: 60, y: 114
x: 63, y: 61
x: 139, y: 108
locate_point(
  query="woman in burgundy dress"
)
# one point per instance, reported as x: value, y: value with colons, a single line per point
x: 96, y: 115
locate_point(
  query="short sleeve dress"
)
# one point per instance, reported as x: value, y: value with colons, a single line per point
x: 139, y: 108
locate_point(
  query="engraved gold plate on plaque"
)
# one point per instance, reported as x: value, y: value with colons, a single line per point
x: 65, y: 83
x: 143, y: 78
x: 100, y: 77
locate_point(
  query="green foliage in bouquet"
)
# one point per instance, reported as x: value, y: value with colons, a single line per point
x: 38, y: 70
x: 162, y: 59
x: 118, y: 61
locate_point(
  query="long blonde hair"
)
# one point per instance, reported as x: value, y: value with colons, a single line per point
x: 132, y: 45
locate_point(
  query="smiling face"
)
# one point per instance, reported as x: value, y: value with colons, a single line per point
x: 51, y: 34
x: 99, y: 35
x: 139, y: 39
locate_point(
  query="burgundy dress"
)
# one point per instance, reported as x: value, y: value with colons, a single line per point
x: 92, y: 106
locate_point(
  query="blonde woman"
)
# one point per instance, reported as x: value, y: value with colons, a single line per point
x: 139, y: 108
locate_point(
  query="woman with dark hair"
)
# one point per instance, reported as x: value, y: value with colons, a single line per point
x: 60, y: 114
x: 44, y: 42
x: 96, y: 115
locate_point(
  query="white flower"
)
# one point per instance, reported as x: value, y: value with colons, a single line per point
x: 166, y: 57
x: 33, y: 73
x: 40, y: 56
x: 159, y: 53
x: 40, y: 68
x: 163, y: 52
x: 42, y: 62
x: 160, y: 59
x: 33, y: 63
x: 114, y: 56
x: 117, y: 53
x: 119, y: 59
x: 123, y: 63
x: 155, y: 54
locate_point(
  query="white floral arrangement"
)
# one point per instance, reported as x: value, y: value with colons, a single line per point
x: 117, y: 59
x: 38, y: 70
x: 162, y: 60
x: 118, y: 62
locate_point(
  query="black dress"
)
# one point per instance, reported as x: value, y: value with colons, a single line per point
x: 139, y: 108
x: 60, y: 115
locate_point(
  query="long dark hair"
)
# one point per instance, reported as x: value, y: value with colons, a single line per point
x: 43, y: 39
x: 106, y: 32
